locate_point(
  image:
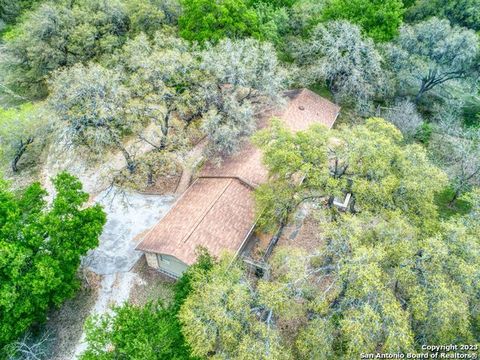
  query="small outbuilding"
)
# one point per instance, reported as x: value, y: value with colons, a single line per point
x: 217, y: 211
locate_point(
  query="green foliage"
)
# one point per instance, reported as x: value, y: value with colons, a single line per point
x: 150, y: 16
x: 165, y: 82
x: 376, y: 282
x: 40, y: 250
x: 248, y: 75
x: 60, y: 34
x: 184, y: 285
x: 145, y: 16
x: 304, y: 15
x: 424, y: 133
x: 146, y: 332
x: 275, y: 3
x: 273, y: 22
x: 149, y: 332
x: 217, y: 319
x: 337, y: 55
x: 369, y: 161
x: 430, y: 54
x: 210, y: 20
x: 389, y: 265
x: 464, y: 13
x: 11, y: 9
x: 380, y: 19
x: 457, y: 150
x: 447, y: 208
x: 92, y: 102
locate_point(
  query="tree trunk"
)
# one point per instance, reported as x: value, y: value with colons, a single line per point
x: 150, y: 176
x: 22, y: 147
x: 420, y: 92
x: 128, y: 158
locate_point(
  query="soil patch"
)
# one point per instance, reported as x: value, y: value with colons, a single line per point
x: 152, y: 286
x: 66, y: 324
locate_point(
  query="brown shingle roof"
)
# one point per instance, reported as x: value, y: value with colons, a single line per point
x: 305, y: 108
x: 216, y: 213
x: 217, y: 210
x: 245, y: 164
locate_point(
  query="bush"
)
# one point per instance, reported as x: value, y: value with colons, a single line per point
x: 424, y: 133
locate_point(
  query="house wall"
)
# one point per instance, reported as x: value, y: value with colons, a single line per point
x: 170, y: 265
x: 151, y: 260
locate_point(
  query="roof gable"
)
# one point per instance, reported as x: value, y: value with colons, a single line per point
x: 216, y: 213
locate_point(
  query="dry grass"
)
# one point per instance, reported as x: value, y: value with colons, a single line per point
x: 154, y: 285
x: 306, y: 235
x: 66, y: 323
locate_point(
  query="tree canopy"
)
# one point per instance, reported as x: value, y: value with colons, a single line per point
x: 21, y: 129
x: 431, y: 53
x: 225, y: 325
x: 337, y: 54
x: 465, y: 13
x: 58, y: 35
x: 369, y: 161
x: 249, y: 76
x: 380, y: 19
x: 41, y: 247
x: 207, y: 20
x: 170, y: 84
x: 92, y: 101
x: 375, y: 283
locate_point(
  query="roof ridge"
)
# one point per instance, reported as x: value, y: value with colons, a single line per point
x: 198, y: 222
x: 168, y: 213
x: 239, y: 178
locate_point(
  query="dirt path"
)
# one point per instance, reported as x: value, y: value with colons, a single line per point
x: 128, y: 215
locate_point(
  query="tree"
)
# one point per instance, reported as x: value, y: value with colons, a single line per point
x: 21, y: 129
x: 248, y: 76
x: 368, y: 161
x: 41, y: 250
x: 276, y: 3
x: 152, y: 15
x: 380, y: 19
x: 11, y: 9
x: 218, y: 319
x: 405, y: 117
x: 385, y: 262
x: 458, y: 151
x: 375, y: 282
x: 209, y: 20
x: 273, y: 22
x: 464, y: 13
x: 58, y: 35
x: 166, y: 82
x: 336, y: 53
x: 224, y: 85
x: 145, y: 16
x: 431, y: 53
x: 92, y: 102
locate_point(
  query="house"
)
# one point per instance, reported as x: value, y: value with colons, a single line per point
x: 217, y: 211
